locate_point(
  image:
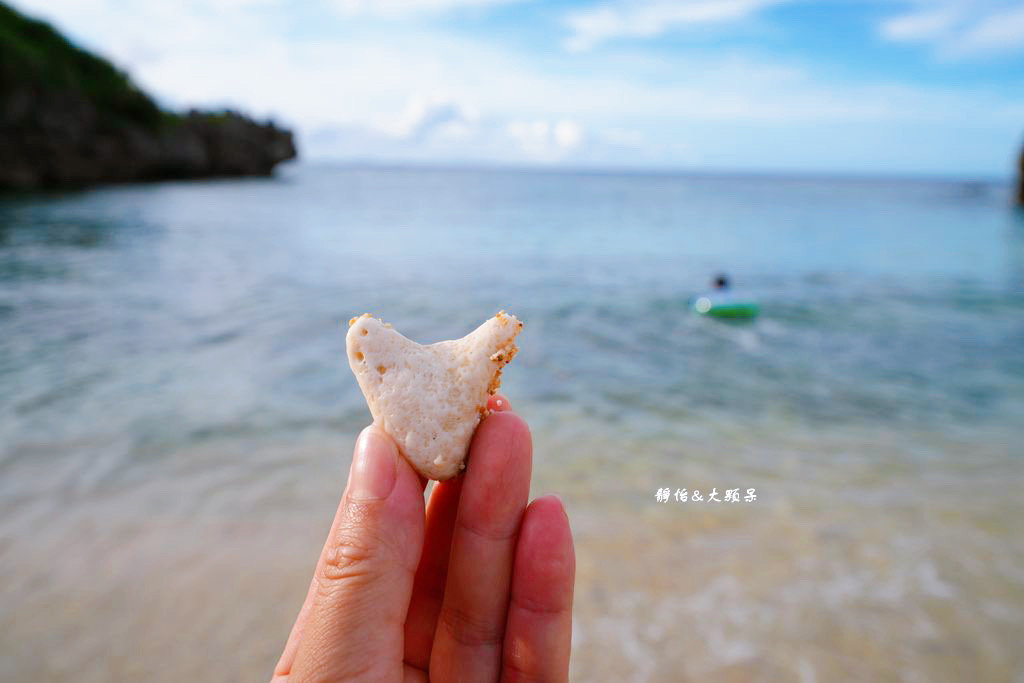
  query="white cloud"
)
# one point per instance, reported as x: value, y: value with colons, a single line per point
x: 423, y: 118
x: 146, y: 32
x: 960, y: 28
x: 403, y: 8
x: 625, y: 137
x: 918, y: 26
x: 568, y: 134
x: 646, y: 19
x: 998, y: 32
x: 532, y: 135
x: 415, y: 93
x: 542, y: 140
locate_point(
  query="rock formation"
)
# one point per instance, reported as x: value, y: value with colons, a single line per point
x: 69, y: 118
x: 1020, y: 179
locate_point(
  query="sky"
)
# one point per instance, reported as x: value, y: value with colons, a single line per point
x: 918, y: 87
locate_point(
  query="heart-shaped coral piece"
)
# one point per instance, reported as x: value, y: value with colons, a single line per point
x: 430, y: 398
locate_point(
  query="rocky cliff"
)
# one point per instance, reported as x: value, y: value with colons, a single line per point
x: 1020, y: 179
x: 69, y: 118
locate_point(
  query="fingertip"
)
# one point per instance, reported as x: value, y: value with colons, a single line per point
x: 546, y: 527
x: 381, y: 475
x: 500, y: 455
x: 498, y: 403
x: 383, y: 440
x: 545, y: 556
x: 548, y: 505
x: 549, y: 499
x: 504, y: 424
x: 373, y: 472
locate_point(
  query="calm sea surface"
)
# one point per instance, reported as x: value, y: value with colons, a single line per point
x: 177, y: 414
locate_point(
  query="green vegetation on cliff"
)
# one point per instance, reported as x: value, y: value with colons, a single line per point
x: 71, y: 118
x: 33, y: 54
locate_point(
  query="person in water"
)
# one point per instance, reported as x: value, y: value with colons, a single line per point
x: 720, y: 301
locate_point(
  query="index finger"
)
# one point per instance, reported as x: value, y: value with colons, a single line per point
x: 471, y: 625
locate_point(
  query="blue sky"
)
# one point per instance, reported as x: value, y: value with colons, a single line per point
x: 930, y: 87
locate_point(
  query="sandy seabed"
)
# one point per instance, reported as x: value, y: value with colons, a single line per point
x: 840, y: 570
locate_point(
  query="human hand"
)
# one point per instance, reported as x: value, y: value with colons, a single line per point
x: 476, y: 587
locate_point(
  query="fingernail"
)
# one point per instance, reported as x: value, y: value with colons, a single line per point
x: 373, y: 466
x: 561, y: 503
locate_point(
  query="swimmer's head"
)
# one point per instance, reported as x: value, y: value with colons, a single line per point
x: 720, y: 281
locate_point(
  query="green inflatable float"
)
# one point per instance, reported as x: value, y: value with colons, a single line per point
x: 725, y: 306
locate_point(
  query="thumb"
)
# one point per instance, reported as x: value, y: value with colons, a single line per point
x: 363, y: 582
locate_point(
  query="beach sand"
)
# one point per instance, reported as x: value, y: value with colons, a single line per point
x: 838, y: 571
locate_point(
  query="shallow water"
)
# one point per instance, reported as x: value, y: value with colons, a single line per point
x: 176, y: 413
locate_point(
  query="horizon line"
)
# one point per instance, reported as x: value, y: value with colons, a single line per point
x: 624, y: 170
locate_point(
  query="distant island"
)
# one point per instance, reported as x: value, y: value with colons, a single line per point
x: 70, y: 119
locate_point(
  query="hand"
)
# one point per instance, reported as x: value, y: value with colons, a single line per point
x: 478, y: 587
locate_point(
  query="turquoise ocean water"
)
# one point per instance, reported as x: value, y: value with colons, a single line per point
x: 175, y: 407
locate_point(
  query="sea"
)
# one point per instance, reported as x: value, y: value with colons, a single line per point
x: 177, y: 414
